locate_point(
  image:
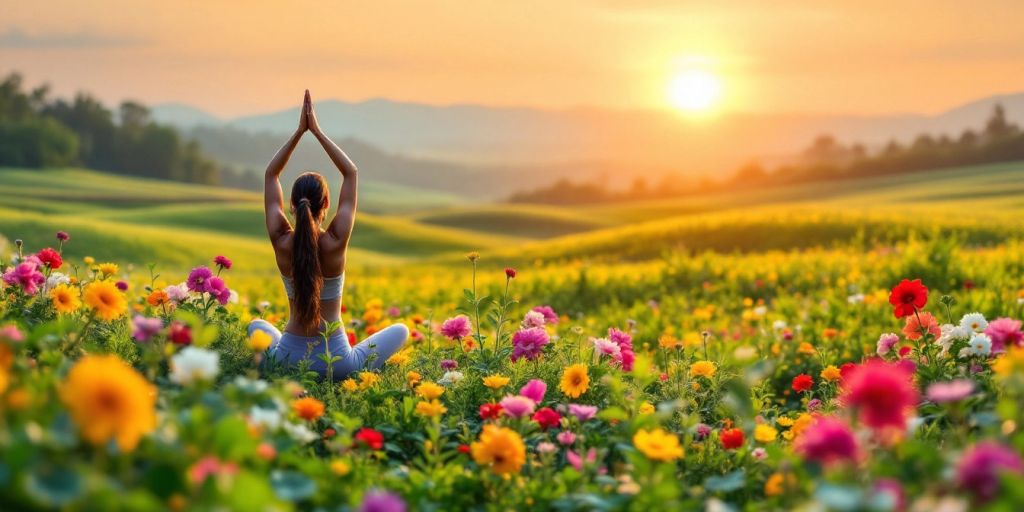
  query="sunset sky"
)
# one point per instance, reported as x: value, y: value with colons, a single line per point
x: 860, y: 57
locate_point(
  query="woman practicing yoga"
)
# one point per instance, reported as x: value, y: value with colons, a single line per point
x: 312, y: 263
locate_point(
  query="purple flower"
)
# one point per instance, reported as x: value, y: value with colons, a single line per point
x: 566, y: 438
x: 813, y: 405
x: 449, y: 364
x: 534, y: 390
x: 549, y: 314
x: 215, y: 286
x: 886, y: 342
x: 122, y: 285
x: 702, y: 431
x: 222, y: 262
x: 456, y: 328
x: 26, y: 275
x: 529, y: 343
x: 197, y: 279
x: 979, y: 468
x: 952, y: 391
x: 517, y: 406
x: 582, y: 412
x: 145, y: 328
x: 63, y: 236
x: 1004, y: 332
x: 382, y: 501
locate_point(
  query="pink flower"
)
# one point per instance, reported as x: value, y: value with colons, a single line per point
x: 952, y: 391
x: 915, y: 329
x: 549, y: 314
x: 826, y: 441
x: 210, y: 466
x: 26, y: 275
x: 882, y: 392
x: 534, y: 390
x: 216, y: 287
x: 759, y: 453
x: 546, y: 447
x: 197, y: 279
x: 11, y: 333
x: 979, y: 468
x: 886, y: 342
x: 177, y: 292
x: 533, y: 319
x: 606, y: 347
x: 63, y: 236
x: 577, y: 462
x: 449, y: 364
x: 1004, y: 332
x: 145, y: 328
x: 625, y: 343
x: 529, y: 343
x: 894, y: 489
x: 222, y: 262
x: 122, y: 285
x: 517, y: 406
x: 582, y: 412
x: 566, y: 438
x: 456, y: 328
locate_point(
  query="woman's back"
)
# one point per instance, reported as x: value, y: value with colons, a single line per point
x: 331, y: 252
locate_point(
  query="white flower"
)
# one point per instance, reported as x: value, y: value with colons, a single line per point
x: 269, y: 419
x: 607, y: 347
x: 251, y: 386
x: 192, y: 364
x: 533, y: 319
x: 980, y: 345
x: 857, y: 298
x: 300, y: 433
x: 177, y: 292
x: 452, y: 377
x: 263, y: 305
x: 951, y: 333
x: 760, y: 310
x: 779, y: 325
x: 232, y: 297
x: 973, y: 322
x: 56, y: 278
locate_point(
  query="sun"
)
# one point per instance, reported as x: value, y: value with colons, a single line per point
x: 695, y: 91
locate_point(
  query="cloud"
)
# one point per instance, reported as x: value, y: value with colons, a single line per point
x: 16, y: 38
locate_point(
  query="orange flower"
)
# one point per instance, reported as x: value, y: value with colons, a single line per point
x: 158, y: 298
x: 308, y: 408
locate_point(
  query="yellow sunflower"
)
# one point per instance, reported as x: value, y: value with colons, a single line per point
x: 108, y: 400
x: 105, y: 300
x: 65, y: 299
x: 575, y: 380
x: 658, y: 444
x: 499, y: 448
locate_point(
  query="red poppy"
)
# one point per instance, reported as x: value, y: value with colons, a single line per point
x: 370, y: 438
x: 50, y: 258
x: 180, y: 334
x: 803, y: 382
x: 731, y: 438
x: 547, y: 418
x: 490, y: 411
x: 907, y: 297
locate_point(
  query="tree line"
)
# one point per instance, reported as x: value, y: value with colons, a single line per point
x: 825, y: 159
x: 37, y: 131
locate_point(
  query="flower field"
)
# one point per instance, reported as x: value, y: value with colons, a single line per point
x: 882, y: 379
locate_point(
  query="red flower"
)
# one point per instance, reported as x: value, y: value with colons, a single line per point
x: 845, y: 369
x: 907, y: 297
x: 731, y: 438
x: 510, y: 272
x: 50, y: 258
x: 547, y: 418
x: 904, y: 350
x: 803, y: 382
x: 329, y: 433
x: 63, y: 236
x: 490, y: 411
x: 352, y: 341
x: 464, y: 448
x: 369, y: 438
x: 180, y: 334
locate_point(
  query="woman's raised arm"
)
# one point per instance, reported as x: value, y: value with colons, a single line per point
x: 345, y: 218
x: 273, y: 196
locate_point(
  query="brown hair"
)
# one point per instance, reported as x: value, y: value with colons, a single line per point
x: 309, y: 198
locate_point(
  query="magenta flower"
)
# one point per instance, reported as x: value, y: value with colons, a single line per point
x: 449, y: 364
x: 222, y: 262
x: 122, y: 285
x: 517, y: 406
x: 197, y: 279
x: 216, y: 287
x: 566, y: 438
x: 827, y: 441
x: 549, y: 314
x: 145, y: 328
x: 625, y: 343
x: 952, y: 391
x: 1004, y: 332
x: 456, y: 328
x: 582, y: 412
x: 577, y: 461
x: 702, y: 431
x: 979, y: 468
x: 882, y: 393
x: 25, y: 275
x: 534, y: 390
x: 63, y: 236
x: 529, y: 343
x: 382, y: 501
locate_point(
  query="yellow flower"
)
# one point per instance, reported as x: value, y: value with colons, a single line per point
x: 368, y: 379
x: 831, y: 373
x: 372, y: 316
x: 349, y: 385
x: 108, y: 400
x: 785, y: 421
x: 499, y: 448
x: 89, y: 260
x: 1009, y: 363
x: 496, y: 381
x: 340, y: 467
x: 668, y: 342
x: 646, y: 408
x: 412, y: 378
x: 308, y: 408
x: 575, y: 380
x: 778, y: 483
x: 802, y: 422
x: 658, y: 444
x: 376, y: 303
x: 430, y: 409
x: 806, y: 348
x: 429, y: 390
x: 259, y: 341
x: 399, y: 358
x: 703, y: 369
x: 107, y: 269
x: 692, y: 339
x: 106, y: 301
x: 765, y: 433
x: 65, y: 299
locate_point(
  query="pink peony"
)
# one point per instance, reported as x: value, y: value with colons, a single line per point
x: 979, y: 468
x: 606, y: 347
x: 456, y: 328
x: 882, y: 392
x: 826, y: 441
x: 534, y: 390
x: 529, y: 343
x: 197, y: 279
x: 549, y: 314
x: 517, y: 406
x: 25, y: 275
x: 1004, y: 332
x: 952, y: 391
x: 533, y: 319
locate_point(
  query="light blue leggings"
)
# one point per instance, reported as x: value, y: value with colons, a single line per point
x: 370, y: 353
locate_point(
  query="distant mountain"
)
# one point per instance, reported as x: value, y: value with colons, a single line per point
x: 184, y: 116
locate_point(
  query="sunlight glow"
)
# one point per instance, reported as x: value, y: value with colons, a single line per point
x: 695, y: 91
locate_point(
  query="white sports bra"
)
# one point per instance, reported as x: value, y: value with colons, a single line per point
x: 331, y: 288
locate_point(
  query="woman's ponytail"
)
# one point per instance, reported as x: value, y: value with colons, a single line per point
x: 306, y: 272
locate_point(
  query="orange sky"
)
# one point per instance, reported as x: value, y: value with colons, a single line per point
x: 864, y: 57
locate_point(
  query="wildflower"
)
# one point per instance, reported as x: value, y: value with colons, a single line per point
x: 533, y: 319
x: 575, y: 380
x: 65, y: 299
x: 952, y: 391
x: 1007, y: 364
x: 25, y: 275
x: 50, y: 258
x: 546, y: 417
x: 108, y: 400
x: 412, y: 378
x: 144, y: 328
x: 180, y: 333
x: 105, y: 300
x: 806, y: 348
x: 107, y: 269
x: 731, y: 438
x: 198, y: 278
x: 495, y: 381
x: 510, y: 272
x: 429, y: 390
x: 122, y: 285
x: 759, y: 453
x: 979, y: 469
x: 473, y: 256
x: 764, y: 433
x: 702, y: 431
x: 370, y: 438
x: 802, y: 383
x: 382, y: 501
x: 545, y: 447
x: 779, y: 483
x: 882, y: 392
x: 499, y: 448
x: 704, y: 369
x: 430, y: 409
x: 193, y: 364
x: 490, y: 411
x: 517, y: 406
x: 973, y: 322
x: 646, y: 408
x: 300, y: 432
x: 980, y: 345
x: 625, y: 343
x: 222, y: 262
x: 62, y: 236
x: 456, y: 328
x: 56, y: 279
x: 582, y: 412
x: 606, y: 347
x: 529, y: 343
x: 813, y: 404
x: 177, y: 292
x: 449, y: 364
x: 1004, y: 332
x: 886, y: 342
x: 549, y: 314
x: 826, y: 441
x: 399, y: 358
x: 921, y: 324
x: 535, y: 390
x: 349, y: 385
x: 451, y: 378
x: 268, y: 419
x: 340, y: 467
x: 831, y: 374
x: 260, y: 341
x: 157, y: 298
x: 658, y: 445
x: 368, y: 379
x: 908, y: 297
x: 577, y: 461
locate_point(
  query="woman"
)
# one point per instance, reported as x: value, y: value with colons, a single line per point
x: 311, y: 260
